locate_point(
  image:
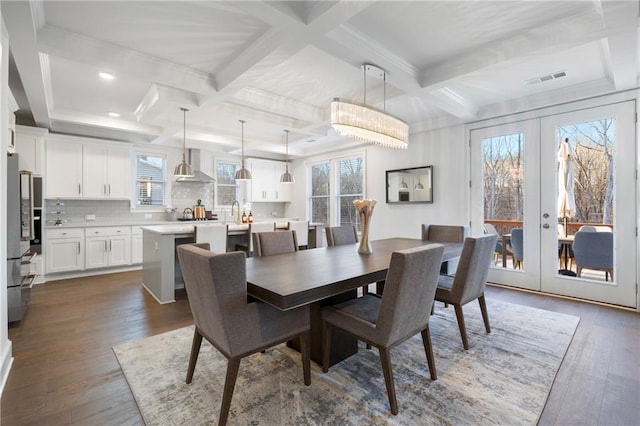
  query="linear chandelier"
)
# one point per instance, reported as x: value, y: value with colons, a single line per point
x: 368, y: 124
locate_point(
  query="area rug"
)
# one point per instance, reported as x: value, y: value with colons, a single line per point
x: 504, y: 378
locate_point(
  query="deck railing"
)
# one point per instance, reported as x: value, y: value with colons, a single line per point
x: 505, y: 226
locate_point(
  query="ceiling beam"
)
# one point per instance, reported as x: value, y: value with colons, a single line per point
x: 22, y: 20
x: 621, y: 22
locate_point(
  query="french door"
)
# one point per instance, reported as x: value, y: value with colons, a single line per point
x: 516, y: 185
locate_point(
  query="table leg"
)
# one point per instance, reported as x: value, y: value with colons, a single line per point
x: 342, y: 345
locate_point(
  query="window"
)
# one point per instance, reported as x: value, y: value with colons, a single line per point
x: 334, y: 186
x: 226, y: 182
x: 150, y: 180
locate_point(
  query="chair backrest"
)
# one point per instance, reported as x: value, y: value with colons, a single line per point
x: 593, y: 249
x: 473, y: 268
x: 302, y: 231
x: 445, y: 233
x: 517, y: 243
x: 409, y: 291
x: 595, y: 228
x: 216, y: 285
x: 340, y: 235
x: 259, y: 227
x: 214, y: 234
x: 274, y: 242
x: 490, y: 229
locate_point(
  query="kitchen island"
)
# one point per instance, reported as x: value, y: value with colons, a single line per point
x: 160, y: 267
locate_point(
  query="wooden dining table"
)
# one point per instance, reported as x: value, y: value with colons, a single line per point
x: 326, y: 275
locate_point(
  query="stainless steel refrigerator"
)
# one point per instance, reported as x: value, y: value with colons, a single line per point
x: 19, y: 232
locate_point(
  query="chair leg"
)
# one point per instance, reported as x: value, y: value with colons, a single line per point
x: 193, y: 358
x: 233, y: 365
x: 428, y: 350
x: 388, y: 379
x: 305, y: 350
x: 485, y: 314
x: 461, y: 326
x: 578, y: 271
x: 326, y: 346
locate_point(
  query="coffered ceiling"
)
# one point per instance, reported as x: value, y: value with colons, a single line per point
x: 278, y: 64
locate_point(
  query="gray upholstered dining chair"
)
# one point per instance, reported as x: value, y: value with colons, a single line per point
x: 340, y: 235
x: 254, y: 227
x: 401, y: 312
x: 216, y: 288
x: 274, y: 242
x: 517, y: 247
x: 445, y: 234
x: 593, y: 250
x: 469, y: 281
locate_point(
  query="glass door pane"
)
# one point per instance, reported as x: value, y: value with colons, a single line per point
x: 504, y: 168
x: 588, y: 236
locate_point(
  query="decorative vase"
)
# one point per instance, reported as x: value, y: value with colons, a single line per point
x: 365, y: 210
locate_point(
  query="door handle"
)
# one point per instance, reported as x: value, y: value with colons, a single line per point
x: 545, y: 226
x: 546, y: 215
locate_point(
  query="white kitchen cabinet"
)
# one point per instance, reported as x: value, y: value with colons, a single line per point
x: 30, y: 148
x: 76, y: 169
x: 106, y: 171
x: 64, y: 250
x: 136, y: 245
x: 265, y: 181
x: 63, y: 169
x: 107, y: 246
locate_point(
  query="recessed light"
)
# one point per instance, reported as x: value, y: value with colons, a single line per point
x: 106, y: 76
x: 114, y: 114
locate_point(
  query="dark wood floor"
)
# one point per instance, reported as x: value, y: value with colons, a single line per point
x: 66, y: 373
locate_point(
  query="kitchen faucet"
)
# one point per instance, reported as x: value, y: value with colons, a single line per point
x: 236, y: 203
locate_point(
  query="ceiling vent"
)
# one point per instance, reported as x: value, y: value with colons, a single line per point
x: 547, y: 77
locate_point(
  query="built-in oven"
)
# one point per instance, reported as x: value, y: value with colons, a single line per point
x: 38, y: 219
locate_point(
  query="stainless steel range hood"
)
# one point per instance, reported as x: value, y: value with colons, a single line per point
x: 198, y: 175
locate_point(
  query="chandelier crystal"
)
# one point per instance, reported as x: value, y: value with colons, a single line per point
x: 368, y: 124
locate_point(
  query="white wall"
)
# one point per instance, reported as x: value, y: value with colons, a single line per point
x: 5, y: 344
x: 443, y: 148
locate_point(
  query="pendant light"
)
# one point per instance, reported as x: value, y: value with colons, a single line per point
x: 286, y: 176
x: 183, y: 169
x: 419, y: 184
x: 403, y: 184
x: 243, y: 174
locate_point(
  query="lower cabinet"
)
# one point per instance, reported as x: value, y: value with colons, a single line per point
x: 64, y: 250
x: 107, y: 246
x: 136, y: 245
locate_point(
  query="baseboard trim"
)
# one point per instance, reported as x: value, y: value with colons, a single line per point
x: 90, y: 272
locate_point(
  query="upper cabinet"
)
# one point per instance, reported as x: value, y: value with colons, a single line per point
x: 87, y: 170
x: 106, y: 171
x: 30, y: 148
x: 265, y: 181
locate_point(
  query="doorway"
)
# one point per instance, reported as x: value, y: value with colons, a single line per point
x: 517, y: 191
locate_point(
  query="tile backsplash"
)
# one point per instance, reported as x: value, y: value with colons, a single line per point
x: 183, y: 195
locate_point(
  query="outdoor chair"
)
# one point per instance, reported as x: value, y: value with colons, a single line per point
x: 517, y: 247
x: 469, y: 281
x: 594, y: 250
x: 499, y: 251
x: 401, y: 312
x: 216, y: 286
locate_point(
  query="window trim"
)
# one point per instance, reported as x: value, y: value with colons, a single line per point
x: 135, y: 208
x: 227, y: 160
